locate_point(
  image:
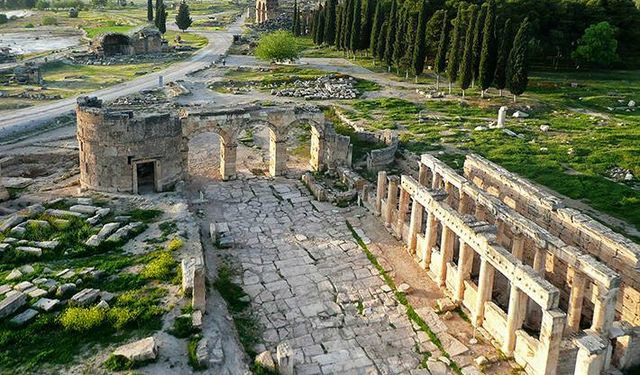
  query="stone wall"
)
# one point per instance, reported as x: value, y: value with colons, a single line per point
x: 112, y: 143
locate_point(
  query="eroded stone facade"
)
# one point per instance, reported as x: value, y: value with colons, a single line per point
x: 141, y: 41
x: 525, y: 268
x: 266, y: 10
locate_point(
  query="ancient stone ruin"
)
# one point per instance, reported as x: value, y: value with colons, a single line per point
x: 141, y: 41
x: 123, y: 152
x: 266, y: 10
x: 551, y: 286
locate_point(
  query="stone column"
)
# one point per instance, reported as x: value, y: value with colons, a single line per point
x: 465, y: 263
x: 485, y: 288
x: 199, y: 288
x: 431, y: 236
x: 436, y: 181
x: 381, y: 189
x: 316, y: 159
x: 539, y: 260
x: 576, y: 297
x: 403, y: 207
x: 392, y: 200
x: 446, y: 254
x: 551, y: 330
x: 502, y: 114
x: 591, y: 355
x: 515, y: 318
x: 228, y: 160
x: 518, y: 246
x: 415, y: 225
x: 423, y: 174
x: 604, y: 309
x: 463, y: 208
x: 277, y: 155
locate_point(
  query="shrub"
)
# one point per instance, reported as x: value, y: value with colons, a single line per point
x: 278, y: 46
x: 161, y: 267
x: 82, y: 319
x: 119, y: 363
x: 182, y: 327
x: 29, y: 26
x: 175, y: 243
x: 49, y: 21
x: 3, y: 18
x: 42, y: 4
x: 120, y: 317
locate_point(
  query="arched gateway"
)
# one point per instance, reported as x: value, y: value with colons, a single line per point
x: 122, y: 152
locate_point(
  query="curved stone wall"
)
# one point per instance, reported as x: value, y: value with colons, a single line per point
x: 113, y: 143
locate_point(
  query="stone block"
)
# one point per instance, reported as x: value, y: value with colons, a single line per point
x: 22, y: 286
x: 12, y: 303
x: 30, y: 250
x: 65, y: 289
x: 138, y: 351
x: 85, y: 297
x: 284, y: 355
x: 46, y: 304
x: 265, y: 360
x: 87, y: 210
x: 24, y: 317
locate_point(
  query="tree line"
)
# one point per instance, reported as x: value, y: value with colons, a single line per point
x: 471, y: 46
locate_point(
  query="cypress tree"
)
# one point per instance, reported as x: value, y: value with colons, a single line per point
x: 420, y: 49
x: 338, y: 36
x: 346, y: 24
x: 319, y: 35
x: 150, y: 10
x: 161, y: 17
x: 330, y: 22
x: 466, y: 66
x: 354, y: 42
x: 391, y: 34
x: 369, y: 7
x: 157, y: 20
x: 411, y: 25
x: 477, y: 42
x: 453, y: 64
x: 500, y: 76
x: 294, y: 18
x: 376, y: 26
x: 183, y: 18
x: 441, y: 54
x: 380, y: 45
x: 398, y: 44
x: 488, y: 56
x: 518, y: 65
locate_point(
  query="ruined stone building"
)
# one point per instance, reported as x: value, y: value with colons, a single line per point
x: 552, y: 287
x: 140, y: 41
x: 266, y: 10
x: 124, y: 152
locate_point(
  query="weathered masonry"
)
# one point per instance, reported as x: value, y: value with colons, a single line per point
x: 266, y: 10
x: 532, y: 274
x: 124, y: 152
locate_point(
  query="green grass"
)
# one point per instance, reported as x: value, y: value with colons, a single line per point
x: 92, y: 32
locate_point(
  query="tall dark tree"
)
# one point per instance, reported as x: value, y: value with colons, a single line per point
x: 356, y: 25
x: 339, y: 31
x: 183, y: 18
x: 411, y: 26
x: 455, y: 47
x: 477, y: 42
x: 156, y: 20
x: 161, y: 17
x: 466, y: 65
x: 295, y: 19
x: 381, y: 45
x: 488, y: 56
x: 391, y: 34
x: 346, y: 24
x: 518, y: 65
x: 506, y: 39
x: 440, y: 62
x: 433, y: 31
x: 369, y: 7
x: 150, y: 10
x: 376, y: 26
x: 399, y: 41
x: 420, y: 48
x: 319, y: 32
x: 330, y: 22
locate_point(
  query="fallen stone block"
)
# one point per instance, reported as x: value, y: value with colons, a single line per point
x: 105, y: 231
x: 21, y: 287
x: 18, y: 231
x: 4, y: 289
x: 93, y: 220
x: 87, y: 210
x: 138, y: 351
x: 40, y: 224
x: 11, y: 222
x: 85, y: 297
x: 265, y: 360
x: 445, y: 304
x: 37, y: 293
x: 46, y: 244
x: 63, y: 213
x: 284, y: 355
x: 46, y: 304
x: 4, y: 247
x: 12, y: 303
x: 30, y: 250
x: 124, y: 232
x: 187, y: 266
x: 15, y: 274
x: 196, y: 319
x: 65, y: 290
x: 24, y: 317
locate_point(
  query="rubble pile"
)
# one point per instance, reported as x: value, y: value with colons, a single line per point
x: 143, y: 98
x: 620, y: 174
x: 282, y: 21
x: 330, y: 86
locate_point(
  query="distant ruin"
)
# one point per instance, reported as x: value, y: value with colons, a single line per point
x: 266, y: 10
x: 141, y: 41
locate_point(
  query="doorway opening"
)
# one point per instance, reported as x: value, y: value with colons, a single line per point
x: 146, y: 177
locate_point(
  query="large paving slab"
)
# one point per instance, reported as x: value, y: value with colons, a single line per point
x: 310, y: 283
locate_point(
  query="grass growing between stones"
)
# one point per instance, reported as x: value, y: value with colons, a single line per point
x: 402, y: 298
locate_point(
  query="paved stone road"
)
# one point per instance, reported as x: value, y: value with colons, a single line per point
x: 310, y: 283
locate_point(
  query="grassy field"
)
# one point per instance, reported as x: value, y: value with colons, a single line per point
x: 590, y: 130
